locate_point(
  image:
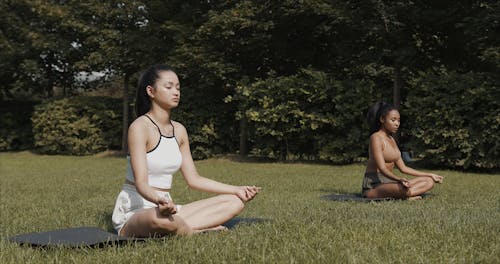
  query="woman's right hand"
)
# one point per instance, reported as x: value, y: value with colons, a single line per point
x: 247, y: 193
x: 405, y: 182
x: 166, y: 207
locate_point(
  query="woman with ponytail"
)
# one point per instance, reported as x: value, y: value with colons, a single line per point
x: 158, y: 148
x: 384, y: 154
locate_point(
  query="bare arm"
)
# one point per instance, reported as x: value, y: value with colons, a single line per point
x: 137, y: 144
x: 407, y: 170
x: 198, y: 182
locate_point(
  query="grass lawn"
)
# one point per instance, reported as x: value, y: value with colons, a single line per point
x: 458, y: 223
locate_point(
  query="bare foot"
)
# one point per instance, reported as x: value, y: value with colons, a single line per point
x: 216, y: 228
x: 415, y: 198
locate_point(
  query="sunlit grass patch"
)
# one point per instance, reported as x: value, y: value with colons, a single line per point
x: 458, y: 223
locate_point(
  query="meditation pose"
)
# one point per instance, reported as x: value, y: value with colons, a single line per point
x: 158, y: 147
x: 380, y: 180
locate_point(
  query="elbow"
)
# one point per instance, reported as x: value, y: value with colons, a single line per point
x: 384, y: 170
x: 193, y: 183
x: 141, y: 187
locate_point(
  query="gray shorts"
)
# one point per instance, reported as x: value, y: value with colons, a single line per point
x: 129, y: 202
x: 372, y: 179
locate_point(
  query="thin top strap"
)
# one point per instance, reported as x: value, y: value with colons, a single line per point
x: 159, y: 131
x: 173, y: 128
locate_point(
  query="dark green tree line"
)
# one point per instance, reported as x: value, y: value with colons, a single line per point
x: 259, y: 75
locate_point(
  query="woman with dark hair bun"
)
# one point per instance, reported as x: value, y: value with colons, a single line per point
x: 158, y: 148
x: 380, y: 180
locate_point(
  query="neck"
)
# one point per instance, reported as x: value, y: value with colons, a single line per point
x: 386, y: 132
x: 160, y: 115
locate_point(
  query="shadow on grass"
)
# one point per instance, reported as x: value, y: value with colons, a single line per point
x: 107, y: 221
x: 244, y: 221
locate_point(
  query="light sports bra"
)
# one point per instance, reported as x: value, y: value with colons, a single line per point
x: 162, y: 161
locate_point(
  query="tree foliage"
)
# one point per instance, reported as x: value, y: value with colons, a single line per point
x: 456, y: 118
x: 77, y: 126
x: 289, y: 79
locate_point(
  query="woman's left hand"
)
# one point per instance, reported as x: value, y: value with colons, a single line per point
x: 247, y: 193
x: 437, y: 178
x: 166, y: 207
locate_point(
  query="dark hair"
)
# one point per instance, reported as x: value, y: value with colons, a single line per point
x: 148, y: 77
x: 377, y: 111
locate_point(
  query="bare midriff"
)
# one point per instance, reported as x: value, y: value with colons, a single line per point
x: 156, y: 188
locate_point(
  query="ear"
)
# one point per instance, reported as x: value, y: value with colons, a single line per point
x: 381, y: 120
x: 149, y: 90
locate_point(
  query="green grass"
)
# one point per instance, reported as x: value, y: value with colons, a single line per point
x: 459, y: 223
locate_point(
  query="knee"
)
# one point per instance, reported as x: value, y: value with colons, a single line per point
x: 234, y: 203
x: 429, y: 181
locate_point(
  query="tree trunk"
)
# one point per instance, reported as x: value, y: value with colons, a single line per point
x: 397, y: 86
x: 397, y: 92
x: 243, y: 136
x: 125, y: 112
x: 49, y: 91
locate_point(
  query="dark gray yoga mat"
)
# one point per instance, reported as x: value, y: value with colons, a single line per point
x: 353, y: 197
x: 71, y: 237
x: 359, y: 198
x: 94, y: 237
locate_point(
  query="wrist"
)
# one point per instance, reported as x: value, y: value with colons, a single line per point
x: 236, y: 190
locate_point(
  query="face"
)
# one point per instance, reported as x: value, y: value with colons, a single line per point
x: 166, y: 91
x: 391, y: 121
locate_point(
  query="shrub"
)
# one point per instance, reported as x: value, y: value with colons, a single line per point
x: 307, y: 115
x: 456, y: 118
x: 77, y: 125
x: 15, y: 125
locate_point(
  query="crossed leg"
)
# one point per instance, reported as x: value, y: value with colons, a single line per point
x: 206, y: 214
x: 419, y: 185
x: 212, y: 212
x: 151, y: 223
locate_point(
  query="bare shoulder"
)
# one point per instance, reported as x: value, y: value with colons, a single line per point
x: 139, y: 125
x: 375, y: 137
x: 180, y: 131
x: 179, y: 128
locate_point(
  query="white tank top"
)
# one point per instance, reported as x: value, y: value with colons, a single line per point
x: 162, y: 161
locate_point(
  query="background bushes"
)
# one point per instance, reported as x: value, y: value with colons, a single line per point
x: 450, y: 119
x: 309, y: 115
x: 15, y: 125
x: 77, y: 125
x: 455, y: 118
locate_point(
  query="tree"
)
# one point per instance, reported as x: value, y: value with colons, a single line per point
x: 118, y: 43
x: 38, y: 48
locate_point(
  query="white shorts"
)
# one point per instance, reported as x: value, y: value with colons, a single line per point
x: 129, y: 202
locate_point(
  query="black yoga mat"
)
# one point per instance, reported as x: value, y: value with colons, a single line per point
x: 359, y: 198
x: 353, y: 197
x: 71, y: 237
x: 93, y: 236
